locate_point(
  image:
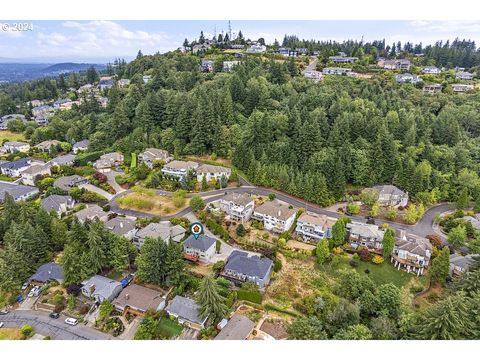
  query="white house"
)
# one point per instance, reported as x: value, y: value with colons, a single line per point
x: 150, y: 155
x: 462, y: 88
x: 179, y: 169
x: 433, y: 70
x: 199, y: 249
x: 463, y: 75
x: 80, y: 146
x: 186, y: 311
x: 107, y: 161
x: 390, y: 195
x: 33, y: 172
x: 314, y: 227
x: 238, y: 206
x: 16, y: 146
x: 18, y: 192
x: 256, y: 49
x: 122, y: 226
x: 336, y: 71
x: 432, y: 89
x: 212, y: 172
x: 342, y: 58
x: 313, y: 75
x: 365, y: 235
x: 411, y: 253
x: 146, y: 79
x: 58, y: 203
x: 244, y: 267
x: 276, y: 216
x: 101, y: 288
x: 395, y: 64
x: 407, y: 78
x: 230, y: 65
x: 163, y: 229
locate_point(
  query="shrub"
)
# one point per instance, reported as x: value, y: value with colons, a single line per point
x: 377, y: 259
x: 27, y: 330
x: 364, y: 254
x: 353, y: 208
x: 338, y: 251
x: 353, y: 263
x: 218, y: 245
x: 218, y: 266
x: 100, y: 177
x: 279, y: 309
x: 84, y: 158
x: 196, y: 203
x: 271, y: 196
x: 241, y: 230
x: 178, y: 198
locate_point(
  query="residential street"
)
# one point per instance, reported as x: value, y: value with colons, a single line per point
x: 55, y: 328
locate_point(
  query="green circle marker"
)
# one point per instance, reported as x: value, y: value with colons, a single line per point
x: 196, y: 229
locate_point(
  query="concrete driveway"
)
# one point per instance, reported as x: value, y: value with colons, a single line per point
x: 97, y: 190
x: 55, y: 328
x: 113, y: 183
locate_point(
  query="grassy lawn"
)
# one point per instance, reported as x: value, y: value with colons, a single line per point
x: 381, y: 274
x: 170, y: 328
x: 10, y: 136
x: 115, y: 275
x: 147, y: 201
x: 10, y: 334
x: 7, y: 178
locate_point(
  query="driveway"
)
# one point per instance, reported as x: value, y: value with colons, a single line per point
x: 55, y: 328
x: 113, y: 183
x: 97, y: 190
x: 189, y: 334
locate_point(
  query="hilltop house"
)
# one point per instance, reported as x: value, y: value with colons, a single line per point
x: 122, y: 226
x: 201, y: 249
x: 342, y: 58
x: 459, y: 264
x: 276, y: 216
x: 407, y: 78
x: 433, y: 70
x: 101, y: 288
x: 146, y: 79
x: 123, y: 82
x: 186, y: 311
x: 16, y: 146
x: 395, y: 64
x: 462, y: 88
x: 256, y: 49
x: 137, y: 300
x: 411, y: 253
x: 390, y: 195
x: 366, y: 235
x: 313, y: 75
x: 67, y: 182
x: 206, y: 65
x: 313, y: 227
x: 463, y: 75
x: 91, y: 213
x: 163, y: 229
x: 18, y: 192
x: 238, y: 206
x: 242, y: 267
x: 81, y: 146
x: 150, y: 155
x: 201, y: 47
x: 107, y: 161
x: 336, y: 71
x: 4, y: 120
x: 432, y: 89
x: 212, y: 172
x: 58, y: 203
x: 32, y: 173
x: 105, y: 82
x: 179, y: 169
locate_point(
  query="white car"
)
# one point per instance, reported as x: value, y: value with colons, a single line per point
x: 33, y: 291
x: 25, y: 286
x: 1, y: 324
x: 71, y: 321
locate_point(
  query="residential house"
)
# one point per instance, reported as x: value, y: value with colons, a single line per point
x: 63, y: 104
x: 122, y: 226
x: 101, y: 288
x: 163, y: 229
x: 276, y: 216
x: 336, y: 71
x: 91, y: 213
x: 103, y: 101
x: 433, y: 70
x: 212, y: 172
x: 239, y: 327
x: 432, y: 89
x: 474, y: 220
x: 16, y: 146
x: 186, y: 311
x: 201, y: 47
x: 15, y: 168
x: 313, y: 227
x: 47, y: 145
x: 256, y: 49
x: 4, y: 120
x: 463, y: 75
x: 105, y: 82
x: 411, y: 253
x: 390, y: 195
x: 33, y: 172
x: 244, y: 267
x: 395, y: 64
x: 18, y: 192
x: 58, y: 203
x: 107, y: 161
x: 85, y: 88
x: 146, y: 79
x: 199, y: 249
x: 407, y: 78
x: 238, y: 206
x: 41, y: 110
x: 67, y: 182
x: 302, y: 51
x: 150, y: 155
x: 462, y: 88
x: 123, y: 82
x: 63, y: 160
x: 342, y: 58
x: 179, y: 169
x: 365, y: 235
x: 81, y: 146
x: 230, y: 65
x: 137, y: 300
x: 313, y: 75
x: 46, y: 273
x: 459, y: 264
x: 206, y: 65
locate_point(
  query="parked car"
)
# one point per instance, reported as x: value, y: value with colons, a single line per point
x: 34, y: 291
x: 127, y: 280
x: 25, y: 286
x: 71, y: 321
x: 54, y: 315
x: 370, y: 220
x: 1, y: 325
x: 3, y: 312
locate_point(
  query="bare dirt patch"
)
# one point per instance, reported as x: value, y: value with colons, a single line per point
x: 275, y: 327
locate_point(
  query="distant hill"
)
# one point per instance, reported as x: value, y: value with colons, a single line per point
x: 71, y: 67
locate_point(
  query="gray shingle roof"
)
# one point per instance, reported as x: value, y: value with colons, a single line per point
x: 185, y: 308
x: 66, y: 182
x: 15, y: 190
x: 53, y: 202
x: 17, y: 164
x: 120, y: 225
x: 47, y: 272
x: 203, y: 243
x: 241, y: 262
x: 82, y: 144
x: 237, y: 328
x: 63, y: 160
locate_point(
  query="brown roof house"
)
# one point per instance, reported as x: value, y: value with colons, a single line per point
x: 138, y: 299
x: 150, y: 155
x: 239, y: 327
x: 107, y: 161
x: 276, y: 216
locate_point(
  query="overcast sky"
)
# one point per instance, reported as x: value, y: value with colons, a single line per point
x: 101, y: 41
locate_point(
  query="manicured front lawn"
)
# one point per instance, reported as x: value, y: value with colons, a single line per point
x: 381, y: 274
x: 170, y: 328
x: 10, y: 334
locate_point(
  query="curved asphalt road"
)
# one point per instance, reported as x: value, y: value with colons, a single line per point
x: 422, y: 228
x: 55, y: 328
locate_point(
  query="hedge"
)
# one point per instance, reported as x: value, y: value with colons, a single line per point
x: 84, y: 158
x: 279, y: 309
x: 217, y: 229
x: 252, y: 296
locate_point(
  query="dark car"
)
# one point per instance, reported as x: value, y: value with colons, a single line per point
x: 3, y: 312
x: 370, y: 220
x: 127, y: 280
x: 54, y: 315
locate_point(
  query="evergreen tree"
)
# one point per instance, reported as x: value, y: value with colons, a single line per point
x: 212, y: 304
